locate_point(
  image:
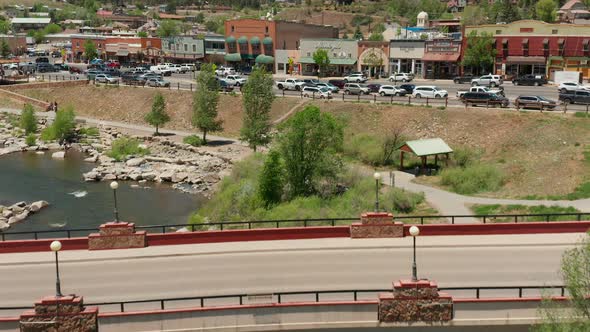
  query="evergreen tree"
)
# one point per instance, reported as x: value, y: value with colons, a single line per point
x: 158, y: 116
x: 257, y: 96
x: 4, y: 49
x: 270, y: 184
x: 205, y: 102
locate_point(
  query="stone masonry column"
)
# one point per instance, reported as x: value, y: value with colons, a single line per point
x: 376, y: 225
x: 117, y: 235
x: 415, y: 301
x: 60, y: 314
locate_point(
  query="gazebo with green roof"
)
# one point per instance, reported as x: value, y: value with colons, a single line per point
x: 423, y: 148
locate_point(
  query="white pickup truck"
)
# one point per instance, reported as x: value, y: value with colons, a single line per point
x: 224, y: 71
x: 291, y: 84
x: 236, y: 80
x: 460, y: 93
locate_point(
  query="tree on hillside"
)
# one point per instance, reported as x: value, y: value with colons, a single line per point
x: 157, y: 116
x: 507, y: 12
x: 309, y: 142
x: 480, y: 52
x: 473, y: 15
x: 358, y: 34
x: 4, y: 26
x: 52, y: 28
x: 257, y: 96
x: 321, y: 59
x: 4, y: 49
x: 546, y: 10
x: 270, y: 184
x: 375, y: 36
x: 28, y: 120
x: 575, y: 270
x: 200, y: 18
x: 205, y: 102
x: 168, y: 28
x: 90, y: 50
x: 171, y: 7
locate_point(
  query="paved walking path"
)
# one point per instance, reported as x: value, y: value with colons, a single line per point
x: 448, y: 203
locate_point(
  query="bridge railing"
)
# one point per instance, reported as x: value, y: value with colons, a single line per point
x: 256, y: 224
x: 484, y: 292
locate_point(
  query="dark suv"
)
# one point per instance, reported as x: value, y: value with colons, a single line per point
x: 484, y: 98
x: 530, y: 79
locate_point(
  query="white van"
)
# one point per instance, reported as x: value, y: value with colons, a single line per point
x: 161, y: 69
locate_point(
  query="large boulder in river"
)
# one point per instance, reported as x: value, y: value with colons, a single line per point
x: 38, y: 205
x: 166, y: 175
x: 179, y: 177
x: 149, y: 176
x: 4, y: 224
x: 134, y: 162
x: 18, y: 218
x: 58, y: 155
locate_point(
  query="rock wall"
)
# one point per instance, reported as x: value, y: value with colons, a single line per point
x: 113, y: 235
x: 376, y: 225
x: 60, y: 314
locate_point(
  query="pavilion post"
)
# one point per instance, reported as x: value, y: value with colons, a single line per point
x: 401, y: 160
x: 435, y: 160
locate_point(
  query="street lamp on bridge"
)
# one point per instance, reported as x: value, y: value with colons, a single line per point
x: 56, y: 247
x: 377, y: 177
x: 115, y: 186
x: 414, y: 232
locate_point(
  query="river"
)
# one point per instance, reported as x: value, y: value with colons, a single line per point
x: 77, y: 204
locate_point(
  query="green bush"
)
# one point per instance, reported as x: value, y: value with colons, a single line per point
x: 124, y: 147
x: 90, y: 131
x: 62, y: 127
x: 28, y: 120
x: 31, y: 139
x: 472, y: 179
x: 270, y: 183
x: 464, y: 157
x: 193, y: 140
x: 366, y: 148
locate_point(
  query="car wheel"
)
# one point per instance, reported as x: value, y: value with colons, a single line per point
x: 346, y: 92
x: 280, y: 87
x: 391, y: 80
x: 322, y: 97
x: 345, y: 80
x: 563, y: 91
x: 515, y: 83
x: 493, y: 84
x: 297, y: 88
x: 456, y: 81
x: 567, y: 101
x: 536, y: 84
x: 404, y: 80
x: 474, y: 84
x: 382, y: 94
x: 418, y: 95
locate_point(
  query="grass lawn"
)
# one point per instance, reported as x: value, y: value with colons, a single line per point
x: 491, y: 209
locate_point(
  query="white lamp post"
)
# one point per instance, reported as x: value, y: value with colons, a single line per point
x: 56, y: 247
x: 414, y: 231
x: 377, y: 177
x: 115, y: 186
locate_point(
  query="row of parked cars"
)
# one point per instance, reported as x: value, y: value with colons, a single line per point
x: 497, y: 80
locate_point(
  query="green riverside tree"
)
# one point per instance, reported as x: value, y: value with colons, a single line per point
x: 90, y: 50
x: 257, y: 96
x: 308, y: 143
x: 320, y: 57
x: 270, y: 183
x: 62, y: 127
x: 205, y: 102
x: 575, y: 270
x: 28, y: 120
x: 4, y: 49
x: 158, y: 116
x: 480, y: 52
x: 546, y: 10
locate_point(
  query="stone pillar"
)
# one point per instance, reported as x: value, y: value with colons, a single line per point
x: 376, y: 225
x: 415, y: 301
x: 117, y: 235
x: 60, y: 314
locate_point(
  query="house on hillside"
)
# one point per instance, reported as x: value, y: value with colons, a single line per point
x: 574, y: 11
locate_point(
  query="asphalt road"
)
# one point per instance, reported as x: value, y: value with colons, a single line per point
x: 298, y: 265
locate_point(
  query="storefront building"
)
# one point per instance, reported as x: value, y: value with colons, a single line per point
x: 406, y: 56
x: 78, y: 46
x: 251, y: 41
x: 215, y: 49
x: 183, y: 49
x: 123, y: 49
x: 441, y: 58
x: 536, y: 47
x: 373, y: 58
x: 343, y: 55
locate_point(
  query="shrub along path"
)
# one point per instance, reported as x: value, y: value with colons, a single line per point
x: 448, y: 203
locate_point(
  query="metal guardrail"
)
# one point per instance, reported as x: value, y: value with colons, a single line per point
x: 310, y: 296
x: 256, y: 224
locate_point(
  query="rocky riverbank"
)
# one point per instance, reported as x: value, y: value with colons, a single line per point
x: 10, y: 215
x: 12, y: 138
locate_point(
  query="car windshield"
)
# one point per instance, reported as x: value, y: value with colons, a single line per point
x: 363, y: 85
x: 324, y: 90
x: 298, y: 81
x: 543, y: 98
x: 436, y: 88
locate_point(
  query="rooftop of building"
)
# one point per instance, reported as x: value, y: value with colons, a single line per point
x: 31, y: 20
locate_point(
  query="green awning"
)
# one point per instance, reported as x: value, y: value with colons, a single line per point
x: 230, y: 39
x: 243, y: 40
x: 255, y: 41
x: 233, y: 57
x: 265, y: 59
x: 337, y: 61
x: 246, y: 56
x: 267, y: 41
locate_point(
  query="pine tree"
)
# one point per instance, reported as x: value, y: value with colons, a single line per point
x: 257, y: 96
x: 205, y: 102
x: 158, y: 116
x: 270, y: 184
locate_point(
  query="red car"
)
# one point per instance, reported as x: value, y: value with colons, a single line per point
x: 113, y: 64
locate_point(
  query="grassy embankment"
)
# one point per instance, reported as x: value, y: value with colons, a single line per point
x: 491, y: 209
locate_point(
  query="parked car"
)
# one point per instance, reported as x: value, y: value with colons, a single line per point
x: 311, y: 81
x: 161, y: 69
x: 390, y: 90
x: 185, y: 68
x: 96, y: 62
x: 45, y: 68
x: 113, y: 64
x: 42, y: 60
x: 148, y: 75
x: 530, y: 79
x: 106, y: 78
x: 112, y: 71
x: 56, y: 54
x: 331, y: 87
x: 140, y: 70
x: 463, y: 79
x: 358, y: 78
x: 575, y: 97
x: 429, y: 91
x: 224, y: 86
x: 291, y: 84
x: 91, y: 73
x: 401, y: 77
x: 75, y: 70
x: 484, y: 98
x: 236, y: 80
x: 316, y: 92
x: 337, y: 83
x: 374, y: 87
x: 157, y: 82
x: 488, y: 80
x: 223, y: 71
x: 408, y: 87
x: 460, y: 93
x: 246, y: 71
x: 61, y: 66
x: 356, y: 89
x: 539, y: 102
x: 131, y: 78
x: 566, y: 87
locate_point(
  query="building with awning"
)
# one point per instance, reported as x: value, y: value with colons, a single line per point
x: 441, y: 58
x: 405, y: 56
x: 425, y: 148
x: 343, y: 55
x: 188, y: 49
x: 257, y: 41
x: 540, y: 48
x: 123, y: 49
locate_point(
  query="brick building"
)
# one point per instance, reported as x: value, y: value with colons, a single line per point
x: 123, y: 49
x: 250, y: 41
x: 373, y: 57
x: 536, y: 47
